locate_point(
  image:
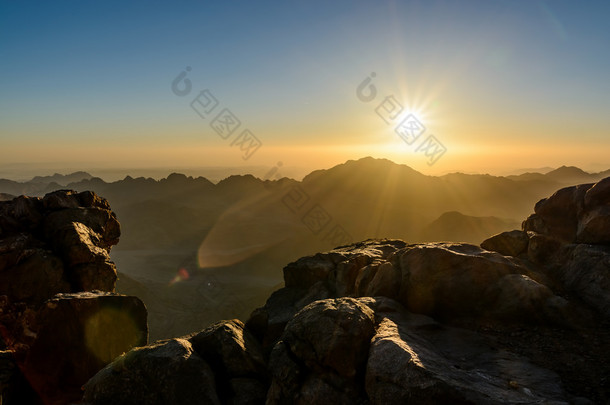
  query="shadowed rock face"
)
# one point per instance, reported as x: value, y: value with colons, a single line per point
x: 222, y: 361
x: 59, y: 318
x: 568, y: 236
x: 511, y: 243
x: 578, y: 214
x: 444, y: 280
x: 71, y: 337
x: 167, y: 372
x: 56, y: 244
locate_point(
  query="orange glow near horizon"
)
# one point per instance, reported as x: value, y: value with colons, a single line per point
x: 498, y: 157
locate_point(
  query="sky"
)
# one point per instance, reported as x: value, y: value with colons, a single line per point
x: 473, y: 86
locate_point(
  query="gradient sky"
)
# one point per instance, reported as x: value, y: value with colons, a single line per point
x: 502, y: 84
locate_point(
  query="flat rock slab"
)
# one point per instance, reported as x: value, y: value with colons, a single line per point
x: 75, y: 335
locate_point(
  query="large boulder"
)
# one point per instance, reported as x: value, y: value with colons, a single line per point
x: 509, y: 243
x: 223, y: 363
x: 445, y: 280
x: 268, y: 322
x: 331, y: 334
x: 59, y: 316
x: 567, y: 240
x: 395, y: 356
x: 577, y: 214
x: 594, y: 226
x: 558, y: 215
x: 598, y: 194
x: 414, y: 359
x: 569, y: 235
x: 29, y: 272
x: 322, y: 354
x: 585, y: 271
x: 56, y: 244
x: 71, y: 337
x: 167, y: 372
x: 339, y: 267
x: 450, y: 279
x: 410, y: 358
x: 518, y: 297
x: 236, y: 358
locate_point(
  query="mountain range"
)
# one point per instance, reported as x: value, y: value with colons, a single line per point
x: 188, y: 243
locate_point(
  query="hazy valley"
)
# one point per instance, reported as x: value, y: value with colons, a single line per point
x: 196, y: 252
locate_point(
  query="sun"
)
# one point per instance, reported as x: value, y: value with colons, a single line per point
x: 409, y: 126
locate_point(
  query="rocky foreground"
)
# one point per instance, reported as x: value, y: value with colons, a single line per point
x: 60, y: 320
x: 522, y: 319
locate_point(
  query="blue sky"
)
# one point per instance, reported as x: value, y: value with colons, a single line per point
x: 502, y: 83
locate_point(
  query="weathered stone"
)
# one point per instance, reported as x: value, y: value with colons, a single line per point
x: 318, y: 390
x: 268, y: 323
x: 322, y: 354
x: 511, y: 243
x: 586, y: 271
x: 518, y: 298
x: 450, y: 279
x: 20, y: 214
x: 542, y: 249
x: 60, y: 199
x: 78, y: 244
x: 560, y: 212
x: 594, y: 226
x: 246, y: 391
x: 534, y: 224
x: 102, y: 222
x: 94, y: 276
x: 414, y: 360
x: 287, y: 374
x: 307, y: 271
x: 378, y: 280
x: 75, y: 335
x: 331, y: 334
x: 168, y: 372
x: 60, y: 244
x: 340, y: 266
x: 90, y: 199
x: 598, y: 194
x: 231, y: 351
x: 37, y: 276
x: 344, y: 277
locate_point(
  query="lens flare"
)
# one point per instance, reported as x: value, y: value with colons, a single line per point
x: 110, y: 322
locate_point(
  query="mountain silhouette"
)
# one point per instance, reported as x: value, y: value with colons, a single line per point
x: 242, y: 229
x: 62, y: 179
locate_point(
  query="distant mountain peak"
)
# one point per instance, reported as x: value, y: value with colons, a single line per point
x: 173, y: 177
x: 62, y: 179
x: 236, y: 179
x: 378, y: 162
x: 367, y: 166
x: 568, y: 170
